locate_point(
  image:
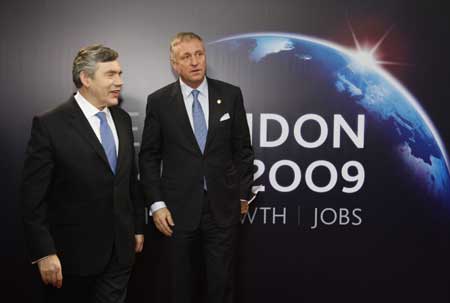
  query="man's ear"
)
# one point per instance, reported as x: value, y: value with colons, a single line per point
x: 174, y: 66
x: 85, y: 79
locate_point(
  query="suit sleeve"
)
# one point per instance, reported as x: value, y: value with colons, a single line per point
x: 150, y: 154
x: 243, y: 155
x: 36, y: 180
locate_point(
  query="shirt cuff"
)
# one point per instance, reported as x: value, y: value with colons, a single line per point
x: 255, y: 190
x: 156, y: 206
x: 36, y: 261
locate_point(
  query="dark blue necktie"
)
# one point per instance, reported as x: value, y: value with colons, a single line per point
x: 200, y: 128
x: 107, y: 139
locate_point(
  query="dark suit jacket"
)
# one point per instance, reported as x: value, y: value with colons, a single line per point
x: 227, y: 162
x: 73, y: 204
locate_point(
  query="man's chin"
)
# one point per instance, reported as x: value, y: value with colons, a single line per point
x: 197, y: 80
x: 113, y: 101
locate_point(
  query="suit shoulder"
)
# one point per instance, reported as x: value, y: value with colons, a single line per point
x: 57, y: 112
x: 162, y: 93
x: 223, y: 85
x: 53, y: 119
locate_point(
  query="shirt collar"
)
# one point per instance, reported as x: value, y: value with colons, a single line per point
x: 186, y: 90
x: 87, y: 108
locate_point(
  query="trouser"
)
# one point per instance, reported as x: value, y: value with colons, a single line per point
x: 110, y: 286
x: 208, y: 248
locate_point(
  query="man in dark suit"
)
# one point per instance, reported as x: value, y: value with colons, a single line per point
x: 196, y: 164
x: 83, y: 218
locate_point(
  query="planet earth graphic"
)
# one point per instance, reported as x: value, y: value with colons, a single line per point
x: 286, y: 68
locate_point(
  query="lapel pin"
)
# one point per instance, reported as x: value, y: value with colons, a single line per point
x: 219, y: 101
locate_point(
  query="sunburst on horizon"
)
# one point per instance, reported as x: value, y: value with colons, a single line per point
x: 367, y: 55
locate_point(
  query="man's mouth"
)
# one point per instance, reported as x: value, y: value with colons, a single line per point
x: 115, y: 93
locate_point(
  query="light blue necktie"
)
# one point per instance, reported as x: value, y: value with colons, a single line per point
x: 200, y: 128
x: 107, y: 139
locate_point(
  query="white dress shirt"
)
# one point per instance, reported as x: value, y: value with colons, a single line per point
x: 90, y: 112
x: 203, y: 99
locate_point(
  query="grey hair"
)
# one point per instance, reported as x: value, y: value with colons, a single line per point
x: 181, y: 37
x: 87, y: 58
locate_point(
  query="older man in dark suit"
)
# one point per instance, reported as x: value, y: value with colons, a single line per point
x: 82, y: 214
x: 196, y: 166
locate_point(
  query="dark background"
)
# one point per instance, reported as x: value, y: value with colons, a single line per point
x: 40, y: 38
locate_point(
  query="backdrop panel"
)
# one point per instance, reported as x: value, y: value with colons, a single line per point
x: 347, y: 106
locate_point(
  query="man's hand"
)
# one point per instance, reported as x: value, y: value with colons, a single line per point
x: 51, y: 271
x: 244, y: 207
x: 139, y: 243
x: 163, y: 221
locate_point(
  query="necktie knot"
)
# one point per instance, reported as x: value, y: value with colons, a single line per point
x: 195, y: 94
x: 101, y: 116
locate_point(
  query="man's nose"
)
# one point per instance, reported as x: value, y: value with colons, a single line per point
x: 194, y: 61
x: 118, y: 81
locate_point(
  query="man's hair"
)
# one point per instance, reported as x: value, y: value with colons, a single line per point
x: 181, y: 37
x: 87, y: 58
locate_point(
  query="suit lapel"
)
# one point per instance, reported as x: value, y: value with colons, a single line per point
x: 84, y: 129
x: 214, y: 111
x: 123, y: 135
x: 182, y: 119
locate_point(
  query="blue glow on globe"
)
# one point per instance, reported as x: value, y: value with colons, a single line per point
x: 369, y: 88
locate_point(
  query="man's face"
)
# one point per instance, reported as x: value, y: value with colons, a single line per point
x: 190, y: 62
x: 104, y: 87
